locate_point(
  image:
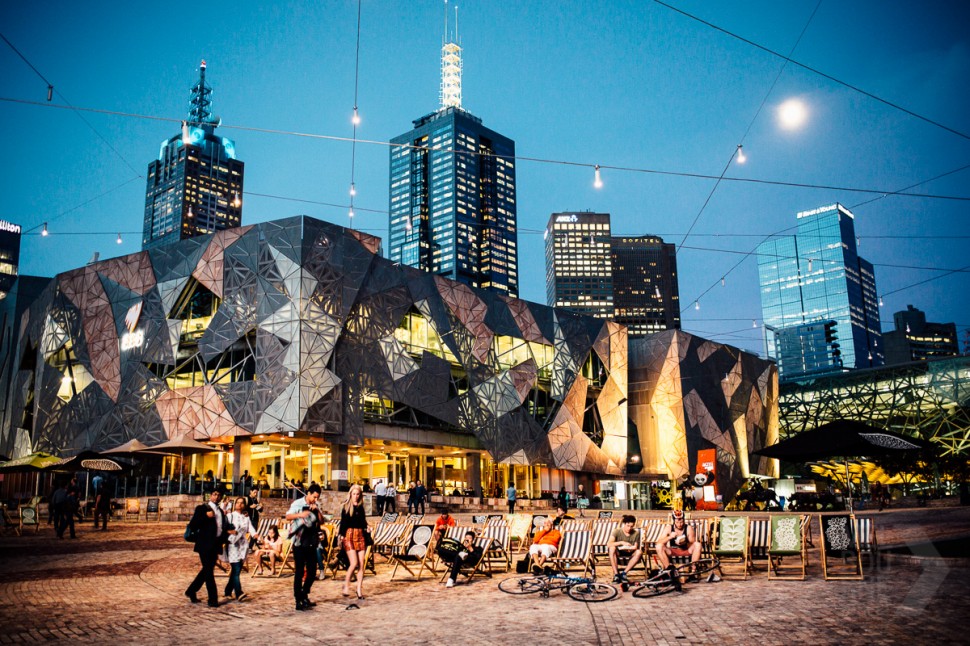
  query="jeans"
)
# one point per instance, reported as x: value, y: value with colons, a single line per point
x: 234, y: 585
x: 304, y: 560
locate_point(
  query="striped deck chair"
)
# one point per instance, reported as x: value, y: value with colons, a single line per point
x: 500, y: 550
x: 537, y: 520
x: 483, y: 566
x: 479, y: 519
x: 730, y: 544
x: 495, y: 519
x: 573, y: 525
x: 575, y: 549
x: 386, y: 537
x: 415, y: 518
x: 807, y: 529
x: 416, y: 552
x: 651, y: 531
x: 786, y: 539
x: 604, y: 514
x: 455, y: 533
x: 602, y: 531
x: 758, y: 530
x: 286, y: 560
x: 390, y: 517
x: 865, y: 531
x: 840, y: 542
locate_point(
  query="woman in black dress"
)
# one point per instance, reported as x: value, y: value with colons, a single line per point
x: 353, y: 528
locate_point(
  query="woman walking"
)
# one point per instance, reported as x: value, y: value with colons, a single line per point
x: 240, y: 531
x: 353, y: 536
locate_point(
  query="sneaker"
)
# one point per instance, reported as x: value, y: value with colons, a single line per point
x: 450, y: 583
x: 622, y: 576
x: 536, y: 570
x: 617, y: 578
x: 242, y: 597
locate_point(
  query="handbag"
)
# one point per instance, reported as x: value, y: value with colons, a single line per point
x: 191, y: 533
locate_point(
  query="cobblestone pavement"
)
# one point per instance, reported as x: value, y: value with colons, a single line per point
x: 125, y: 586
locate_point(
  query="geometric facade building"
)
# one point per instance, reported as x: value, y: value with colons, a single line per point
x: 195, y: 186
x: 688, y: 394
x: 817, y: 275
x: 927, y: 399
x: 299, y: 326
x: 629, y: 279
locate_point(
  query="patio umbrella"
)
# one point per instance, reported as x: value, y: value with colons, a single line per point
x: 128, y: 448
x: 844, y: 439
x: 179, y: 446
x: 33, y: 462
x: 101, y: 464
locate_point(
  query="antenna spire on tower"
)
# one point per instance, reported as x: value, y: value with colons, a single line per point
x: 450, y: 66
x: 199, y: 103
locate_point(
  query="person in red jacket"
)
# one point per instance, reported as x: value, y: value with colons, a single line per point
x: 544, y: 545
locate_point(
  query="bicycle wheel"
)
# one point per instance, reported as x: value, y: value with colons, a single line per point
x: 592, y: 592
x: 525, y: 585
x: 655, y: 588
x: 700, y: 568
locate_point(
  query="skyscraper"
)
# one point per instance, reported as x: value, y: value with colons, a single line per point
x: 629, y: 279
x: 817, y: 275
x: 195, y: 186
x: 916, y: 339
x: 452, y: 193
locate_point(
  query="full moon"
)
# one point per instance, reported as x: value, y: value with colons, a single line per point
x: 792, y: 114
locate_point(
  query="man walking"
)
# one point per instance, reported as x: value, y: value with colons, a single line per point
x: 380, y: 493
x: 510, y: 498
x: 211, y: 529
x: 305, y: 535
x: 420, y: 493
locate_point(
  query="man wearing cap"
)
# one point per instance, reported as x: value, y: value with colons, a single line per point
x: 681, y: 540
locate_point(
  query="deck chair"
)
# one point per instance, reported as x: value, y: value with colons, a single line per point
x: 415, y: 518
x: 602, y: 532
x: 416, y: 552
x: 786, y: 539
x: 286, y: 560
x: 479, y: 519
x: 154, y: 507
x: 388, y: 537
x: 758, y: 529
x: 28, y: 518
x: 575, y: 550
x: 495, y: 519
x: 483, y: 566
x: 132, y: 508
x: 10, y: 524
x: 865, y: 531
x: 651, y: 531
x: 840, y: 543
x: 604, y: 514
x: 537, y: 520
x: 573, y: 525
x: 730, y: 545
x: 390, y: 517
x: 500, y: 549
x: 807, y: 529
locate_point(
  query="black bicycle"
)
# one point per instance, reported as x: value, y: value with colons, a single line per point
x: 577, y: 587
x: 672, y: 578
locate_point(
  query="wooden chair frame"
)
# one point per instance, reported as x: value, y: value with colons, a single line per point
x: 410, y: 553
x: 575, y: 548
x: 786, y: 538
x: 840, y: 529
x: 728, y: 555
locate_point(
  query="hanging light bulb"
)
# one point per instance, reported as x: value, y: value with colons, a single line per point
x: 881, y: 304
x: 350, y: 213
x: 754, y: 323
x: 656, y: 291
x: 907, y: 328
x: 356, y: 117
x: 597, y: 179
x: 50, y: 92
x: 870, y: 356
x: 741, y: 157
x: 809, y: 264
x: 44, y: 232
x: 697, y: 305
x: 119, y: 239
x: 722, y: 281
x: 858, y: 241
x: 353, y: 189
x: 235, y: 200
x: 190, y: 212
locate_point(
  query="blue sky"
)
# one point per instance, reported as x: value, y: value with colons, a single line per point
x: 624, y: 84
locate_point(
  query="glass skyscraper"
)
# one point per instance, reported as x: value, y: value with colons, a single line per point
x: 195, y: 186
x: 452, y: 204
x: 629, y: 279
x: 817, y: 275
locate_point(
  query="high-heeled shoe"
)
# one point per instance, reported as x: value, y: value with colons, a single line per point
x: 360, y: 597
x: 345, y: 593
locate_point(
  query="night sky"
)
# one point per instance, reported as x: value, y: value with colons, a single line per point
x: 635, y: 85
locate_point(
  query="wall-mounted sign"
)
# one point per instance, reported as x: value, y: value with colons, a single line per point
x: 567, y: 218
x: 9, y: 227
x: 131, y: 318
x: 133, y: 340
x: 339, y: 474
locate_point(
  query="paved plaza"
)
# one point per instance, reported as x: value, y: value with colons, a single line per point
x: 126, y: 586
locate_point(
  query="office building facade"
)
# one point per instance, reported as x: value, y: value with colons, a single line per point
x: 195, y: 186
x: 916, y: 339
x: 452, y: 204
x: 817, y: 275
x: 629, y: 279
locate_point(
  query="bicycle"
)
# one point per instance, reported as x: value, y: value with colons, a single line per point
x: 672, y: 578
x: 577, y: 587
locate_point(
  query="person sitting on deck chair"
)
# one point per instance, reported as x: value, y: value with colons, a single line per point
x: 624, y: 544
x: 681, y: 540
x: 545, y: 544
x: 469, y: 556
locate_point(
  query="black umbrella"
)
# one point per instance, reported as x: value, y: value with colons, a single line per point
x: 842, y: 438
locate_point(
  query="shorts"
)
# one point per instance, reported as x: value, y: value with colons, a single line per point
x: 354, y: 540
x: 676, y: 551
x: 544, y: 549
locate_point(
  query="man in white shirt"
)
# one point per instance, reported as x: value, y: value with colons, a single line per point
x: 380, y: 493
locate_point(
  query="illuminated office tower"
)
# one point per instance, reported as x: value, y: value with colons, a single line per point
x: 817, y: 275
x: 645, y: 294
x: 195, y: 186
x: 916, y: 339
x: 452, y: 208
x: 629, y: 279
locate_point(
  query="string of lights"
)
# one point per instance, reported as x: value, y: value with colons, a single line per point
x: 809, y: 68
x: 355, y: 121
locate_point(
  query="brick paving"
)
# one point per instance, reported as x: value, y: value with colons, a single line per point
x: 125, y: 586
